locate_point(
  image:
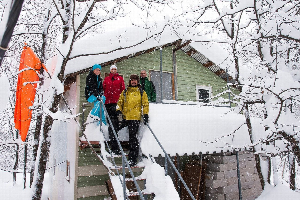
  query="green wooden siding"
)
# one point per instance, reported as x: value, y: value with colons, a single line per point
x: 189, y: 73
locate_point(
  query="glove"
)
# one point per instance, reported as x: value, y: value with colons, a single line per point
x: 119, y: 116
x: 146, y: 118
x: 92, y: 99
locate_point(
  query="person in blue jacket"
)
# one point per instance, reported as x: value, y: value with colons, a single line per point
x: 94, y: 91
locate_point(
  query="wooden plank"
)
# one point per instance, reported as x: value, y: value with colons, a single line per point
x: 90, y: 191
x: 92, y: 170
x: 85, y: 181
x: 111, y: 190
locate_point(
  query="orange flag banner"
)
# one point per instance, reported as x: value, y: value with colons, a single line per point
x: 29, y: 69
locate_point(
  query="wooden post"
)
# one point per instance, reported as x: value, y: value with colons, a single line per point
x: 199, y: 180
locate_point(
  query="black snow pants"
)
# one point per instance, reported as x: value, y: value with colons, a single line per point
x: 111, y: 110
x: 134, y: 146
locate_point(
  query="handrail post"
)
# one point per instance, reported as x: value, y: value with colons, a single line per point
x: 238, y: 175
x: 82, y: 118
x: 166, y: 165
x: 124, y: 183
x: 100, y: 114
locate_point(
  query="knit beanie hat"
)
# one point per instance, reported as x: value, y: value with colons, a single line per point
x: 113, y: 67
x: 96, y: 66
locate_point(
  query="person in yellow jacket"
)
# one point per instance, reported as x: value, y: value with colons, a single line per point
x: 133, y: 104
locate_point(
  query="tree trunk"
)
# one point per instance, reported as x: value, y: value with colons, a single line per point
x: 45, y: 146
x: 36, y: 144
x: 293, y: 175
x: 43, y: 158
x: 257, y: 157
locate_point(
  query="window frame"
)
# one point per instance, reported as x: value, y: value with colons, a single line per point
x: 204, y: 87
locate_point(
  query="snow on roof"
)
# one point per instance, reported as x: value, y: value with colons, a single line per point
x: 189, y: 128
x: 118, y: 43
x: 114, y: 44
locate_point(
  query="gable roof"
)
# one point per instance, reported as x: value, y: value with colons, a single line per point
x: 185, y: 46
x: 189, y: 50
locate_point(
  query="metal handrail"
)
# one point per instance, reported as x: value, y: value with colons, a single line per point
x: 172, y: 164
x: 124, y: 159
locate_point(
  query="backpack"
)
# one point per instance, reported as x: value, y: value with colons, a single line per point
x: 141, y: 91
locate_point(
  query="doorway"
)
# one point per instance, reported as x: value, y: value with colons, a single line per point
x: 168, y: 89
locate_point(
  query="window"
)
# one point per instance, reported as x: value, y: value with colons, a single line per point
x: 203, y: 93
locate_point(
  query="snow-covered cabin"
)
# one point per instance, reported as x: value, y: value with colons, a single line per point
x: 187, y: 74
x: 185, y: 70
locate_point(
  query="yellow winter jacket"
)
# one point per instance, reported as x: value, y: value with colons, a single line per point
x: 131, y: 106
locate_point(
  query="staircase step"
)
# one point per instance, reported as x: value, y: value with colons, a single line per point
x: 84, y: 181
x: 131, y: 194
x: 120, y: 167
x: 136, y: 178
x: 100, y: 197
x: 137, y: 171
x: 87, y: 157
x: 91, y: 170
x: 131, y: 186
x: 85, y: 144
x: 116, y: 158
x: 135, y: 195
x: 91, y: 191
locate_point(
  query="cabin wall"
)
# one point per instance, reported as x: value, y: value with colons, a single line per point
x: 214, y: 176
x: 221, y: 176
x: 190, y: 72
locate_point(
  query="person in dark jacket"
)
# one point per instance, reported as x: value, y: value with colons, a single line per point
x: 113, y: 85
x: 133, y: 104
x: 148, y: 86
x: 94, y: 91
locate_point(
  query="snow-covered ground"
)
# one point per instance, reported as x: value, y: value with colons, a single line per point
x: 10, y: 192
